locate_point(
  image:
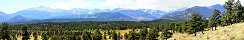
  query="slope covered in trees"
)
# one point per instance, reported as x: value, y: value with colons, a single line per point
x: 232, y: 32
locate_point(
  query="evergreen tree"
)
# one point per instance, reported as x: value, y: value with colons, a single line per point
x: 86, y: 35
x: 172, y: 26
x: 183, y: 27
x: 4, y: 31
x: 152, y: 34
x: 195, y: 23
x: 143, y: 33
x: 132, y: 35
x: 126, y: 36
x: 104, y: 35
x: 74, y: 36
x: 97, y: 35
x: 45, y: 36
x: 213, y: 21
x: 35, y: 34
x: 166, y: 34
x: 227, y: 17
x: 238, y: 11
x: 204, y: 24
x: 115, y: 36
x: 234, y: 12
x: 25, y: 33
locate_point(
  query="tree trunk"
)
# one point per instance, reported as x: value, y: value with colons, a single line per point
x: 215, y: 28
x: 212, y: 28
x: 202, y: 32
x: 195, y: 34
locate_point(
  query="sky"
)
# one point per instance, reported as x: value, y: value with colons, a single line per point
x: 12, y: 6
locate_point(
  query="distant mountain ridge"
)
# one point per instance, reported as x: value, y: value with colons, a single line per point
x: 19, y: 19
x: 113, y: 16
x: 34, y: 14
x: 45, y: 14
x: 79, y: 14
x: 1, y: 13
x: 79, y: 11
x: 205, y: 12
x: 217, y: 6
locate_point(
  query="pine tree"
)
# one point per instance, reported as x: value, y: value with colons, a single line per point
x: 234, y: 12
x: 25, y: 32
x: 4, y: 31
x: 238, y: 11
x: 166, y: 34
x: 45, y: 36
x: 97, y: 35
x: 152, y: 34
x: 115, y: 36
x: 132, y: 35
x: 204, y: 25
x: 213, y: 21
x: 142, y: 33
x: 35, y: 34
x: 195, y: 23
x: 228, y: 17
x: 126, y: 36
x: 183, y: 27
x: 172, y: 26
x: 86, y: 35
x: 104, y: 35
x: 242, y: 18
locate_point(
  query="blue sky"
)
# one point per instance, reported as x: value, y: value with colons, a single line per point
x: 12, y: 6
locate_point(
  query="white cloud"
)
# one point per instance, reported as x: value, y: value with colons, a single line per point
x: 134, y: 4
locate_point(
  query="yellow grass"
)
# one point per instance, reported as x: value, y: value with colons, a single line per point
x: 31, y: 37
x: 232, y: 32
x: 19, y: 37
x: 39, y: 37
x: 122, y: 32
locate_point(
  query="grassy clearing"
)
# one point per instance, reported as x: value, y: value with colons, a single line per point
x: 232, y: 32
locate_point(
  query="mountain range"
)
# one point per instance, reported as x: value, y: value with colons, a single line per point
x: 45, y: 14
x: 204, y: 11
x: 1, y: 13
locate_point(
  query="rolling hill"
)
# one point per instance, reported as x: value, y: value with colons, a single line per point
x: 232, y: 32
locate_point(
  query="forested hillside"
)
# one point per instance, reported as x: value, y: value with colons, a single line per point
x: 231, y: 32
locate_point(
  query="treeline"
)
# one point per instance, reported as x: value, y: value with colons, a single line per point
x: 106, y: 25
x: 6, y: 34
x: 144, y: 33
